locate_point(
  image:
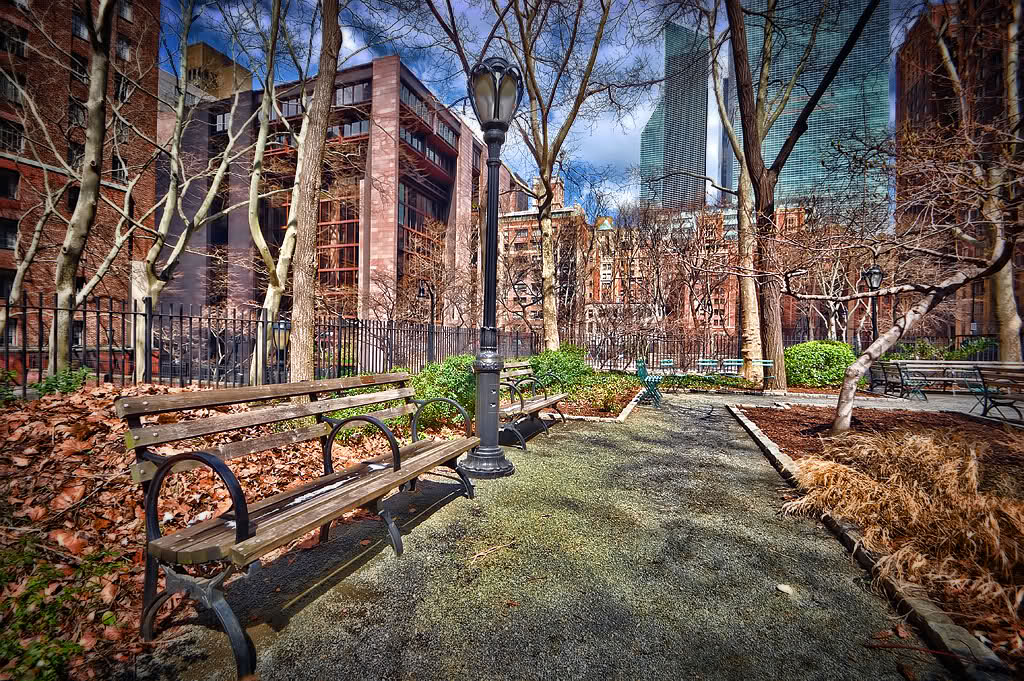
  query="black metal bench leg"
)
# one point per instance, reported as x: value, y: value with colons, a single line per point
x: 555, y: 407
x: 149, y: 584
x: 542, y: 423
x: 467, y: 484
x: 408, y: 486
x: 519, y: 436
x: 393, y: 533
x: 325, y: 533
x: 241, y: 646
x: 149, y: 615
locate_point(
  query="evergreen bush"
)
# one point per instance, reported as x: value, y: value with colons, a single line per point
x: 818, y: 364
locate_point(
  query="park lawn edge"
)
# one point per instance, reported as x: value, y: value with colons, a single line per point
x: 966, y: 654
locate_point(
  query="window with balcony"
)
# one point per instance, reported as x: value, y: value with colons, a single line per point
x: 447, y: 134
x: 12, y: 39
x: 12, y: 136
x: 9, y: 180
x: 441, y: 160
x: 352, y: 94
x: 289, y: 107
x: 8, y: 233
x: 412, y: 100
x: 414, y: 140
x: 79, y: 29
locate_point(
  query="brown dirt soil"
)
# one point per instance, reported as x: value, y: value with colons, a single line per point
x: 798, y: 430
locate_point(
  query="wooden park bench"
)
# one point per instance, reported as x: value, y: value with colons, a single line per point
x: 239, y: 537
x: 1001, y: 387
x: 523, y: 414
x: 951, y: 374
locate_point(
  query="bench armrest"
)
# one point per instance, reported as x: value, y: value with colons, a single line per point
x: 423, y: 403
x: 549, y: 378
x: 241, y: 510
x: 373, y: 421
x: 514, y: 390
x: 536, y: 384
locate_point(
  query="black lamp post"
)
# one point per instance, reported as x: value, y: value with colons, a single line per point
x: 495, y: 89
x: 873, y: 276
x: 426, y: 290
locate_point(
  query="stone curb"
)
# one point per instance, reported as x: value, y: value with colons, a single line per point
x: 968, y: 655
x: 621, y: 418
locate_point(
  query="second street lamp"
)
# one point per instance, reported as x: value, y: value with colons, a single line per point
x: 427, y: 291
x: 495, y: 90
x: 873, y: 276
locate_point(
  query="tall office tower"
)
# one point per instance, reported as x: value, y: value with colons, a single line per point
x: 855, y: 107
x: 726, y: 157
x: 673, y: 145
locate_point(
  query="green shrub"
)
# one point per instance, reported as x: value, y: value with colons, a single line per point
x: 705, y: 382
x: 602, y: 391
x: 453, y: 378
x: 568, y: 363
x: 922, y: 348
x: 968, y: 349
x: 818, y: 364
x: 63, y: 382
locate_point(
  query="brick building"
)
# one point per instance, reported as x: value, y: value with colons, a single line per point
x: 925, y: 96
x: 33, y: 149
x: 404, y: 180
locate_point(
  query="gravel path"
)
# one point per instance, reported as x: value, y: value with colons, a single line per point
x: 649, y: 550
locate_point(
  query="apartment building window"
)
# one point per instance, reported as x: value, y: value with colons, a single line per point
x: 6, y: 283
x: 9, y: 88
x: 122, y: 87
x: 413, y: 139
x: 477, y: 156
x: 118, y: 171
x: 412, y: 100
x: 522, y: 201
x: 76, y: 152
x: 12, y: 39
x: 443, y: 161
x: 220, y: 121
x: 447, y: 134
x: 522, y: 233
x: 126, y: 9
x: 122, y: 132
x: 72, y: 198
x: 8, y: 233
x: 76, y: 113
x: 606, y: 270
x: 79, y: 67
x: 124, y: 48
x: 78, y: 332
x: 12, y: 136
x: 11, y: 331
x: 79, y: 29
x: 289, y: 108
x: 9, y: 180
x: 352, y: 94
x: 356, y: 128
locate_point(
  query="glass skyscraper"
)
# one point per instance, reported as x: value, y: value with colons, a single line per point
x: 855, y: 106
x: 673, y: 145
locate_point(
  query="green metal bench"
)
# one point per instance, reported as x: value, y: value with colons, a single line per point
x: 707, y: 366
x: 650, y: 383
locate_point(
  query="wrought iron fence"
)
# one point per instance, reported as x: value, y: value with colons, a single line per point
x: 212, y: 347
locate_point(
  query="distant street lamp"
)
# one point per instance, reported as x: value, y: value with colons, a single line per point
x: 495, y: 90
x: 873, y: 276
x: 427, y: 291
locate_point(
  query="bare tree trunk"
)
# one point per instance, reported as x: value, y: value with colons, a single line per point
x: 547, y: 273
x: 1005, y: 304
x: 750, y: 323
x: 301, y: 360
x: 771, y: 286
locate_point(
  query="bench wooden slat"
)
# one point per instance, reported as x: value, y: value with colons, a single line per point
x: 212, y: 539
x: 516, y: 365
x: 519, y: 372
x: 157, y: 434
x: 143, y: 405
x: 332, y: 506
x: 232, y: 450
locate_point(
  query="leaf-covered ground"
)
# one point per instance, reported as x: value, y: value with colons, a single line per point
x: 72, y: 525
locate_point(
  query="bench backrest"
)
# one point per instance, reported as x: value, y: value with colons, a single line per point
x: 325, y: 396
x: 516, y: 370
x: 707, y: 363
x: 956, y: 364
x: 1002, y: 378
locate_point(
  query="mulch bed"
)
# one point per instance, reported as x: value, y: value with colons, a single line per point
x: 798, y: 431
x: 581, y: 407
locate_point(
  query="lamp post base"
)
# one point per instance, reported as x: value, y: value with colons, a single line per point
x: 481, y: 463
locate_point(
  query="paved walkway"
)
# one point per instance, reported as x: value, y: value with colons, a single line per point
x: 936, y: 401
x: 648, y: 550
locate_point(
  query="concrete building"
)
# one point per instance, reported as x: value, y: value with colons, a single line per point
x: 33, y: 149
x: 403, y: 179
x: 673, y: 144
